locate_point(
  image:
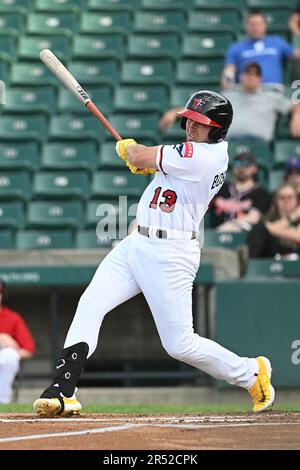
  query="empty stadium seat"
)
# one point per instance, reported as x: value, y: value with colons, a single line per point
x: 167, y: 21
x: 266, y: 268
x: 30, y: 100
x: 97, y: 72
x: 159, y: 45
x: 108, y: 157
x: 141, y: 98
x: 8, y: 47
x: 60, y: 5
x: 59, y: 185
x: 275, y: 179
x: 15, y: 185
x: 55, y: 23
x: 261, y: 151
x: 208, y: 45
x: 115, y: 210
x: 277, y: 19
x: 167, y: 4
x: 105, y: 22
x: 111, y: 183
x: 147, y: 71
x: 19, y: 156
x: 44, y: 239
x: 12, y: 23
x: 102, y: 5
x: 30, y: 46
x: 32, y: 73
x: 215, y: 21
x: 139, y: 126
x: 11, y: 215
x: 101, y: 96
x: 23, y: 127
x: 69, y: 155
x: 3, y: 71
x: 199, y: 71
x: 99, y: 46
x: 66, y: 127
x: 212, y: 238
x: 181, y: 94
x: 6, y: 240
x: 16, y: 6
x: 55, y: 214
x: 88, y: 239
x: 283, y: 150
x: 269, y: 3
x: 221, y: 4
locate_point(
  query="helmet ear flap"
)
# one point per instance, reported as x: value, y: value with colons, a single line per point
x: 216, y: 135
x: 183, y: 122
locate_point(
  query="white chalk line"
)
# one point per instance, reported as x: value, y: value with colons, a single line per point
x: 133, y: 426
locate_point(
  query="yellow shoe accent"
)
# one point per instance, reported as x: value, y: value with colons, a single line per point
x: 50, y: 407
x: 262, y: 392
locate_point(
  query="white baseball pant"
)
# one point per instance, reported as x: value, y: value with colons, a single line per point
x: 9, y: 366
x: 164, y: 270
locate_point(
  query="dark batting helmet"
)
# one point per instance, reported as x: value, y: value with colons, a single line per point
x: 211, y: 109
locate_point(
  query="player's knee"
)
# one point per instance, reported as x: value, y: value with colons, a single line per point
x: 10, y: 357
x: 178, y: 349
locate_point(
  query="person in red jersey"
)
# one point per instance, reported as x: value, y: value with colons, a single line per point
x: 16, y: 343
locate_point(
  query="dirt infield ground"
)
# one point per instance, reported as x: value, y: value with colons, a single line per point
x: 271, y: 430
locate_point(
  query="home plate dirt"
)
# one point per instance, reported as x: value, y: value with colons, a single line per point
x: 272, y: 430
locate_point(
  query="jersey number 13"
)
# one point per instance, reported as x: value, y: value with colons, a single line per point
x: 169, y: 200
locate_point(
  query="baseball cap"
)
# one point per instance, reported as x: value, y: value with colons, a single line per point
x: 244, y: 159
x: 293, y: 163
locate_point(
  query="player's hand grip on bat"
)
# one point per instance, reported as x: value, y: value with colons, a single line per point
x: 140, y: 171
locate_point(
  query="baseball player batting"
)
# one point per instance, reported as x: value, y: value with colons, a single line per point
x: 161, y: 258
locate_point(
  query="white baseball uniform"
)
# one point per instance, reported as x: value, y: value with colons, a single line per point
x: 188, y: 176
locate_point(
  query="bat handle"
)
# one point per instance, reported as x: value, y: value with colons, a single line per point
x: 93, y: 108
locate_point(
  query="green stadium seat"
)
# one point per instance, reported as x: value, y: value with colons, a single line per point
x: 11, y: 215
x: 155, y: 45
x: 55, y: 23
x: 30, y: 46
x: 12, y: 23
x: 15, y: 185
x: 101, y: 96
x: 116, y: 212
x: 99, y: 47
x: 111, y: 5
x: 32, y: 73
x: 44, y: 239
x: 141, y: 98
x: 4, y: 74
x: 108, y: 157
x: 260, y: 150
x: 6, y: 240
x: 69, y: 155
x: 23, y: 127
x: 276, y: 178
x: 283, y: 150
x: 96, y: 73
x: 269, y: 4
x: 30, y: 100
x: 214, y: 21
x: 86, y: 239
x: 147, y: 72
x: 110, y: 184
x: 75, y: 6
x: 8, y: 47
x: 168, y: 21
x: 19, y: 156
x: 66, y: 127
x: 55, y: 214
x: 62, y: 184
x: 277, y: 19
x: 139, y: 126
x: 229, y: 240
x: 16, y: 6
x: 270, y: 268
x: 167, y: 4
x: 283, y: 127
x: 181, y: 94
x: 208, y: 45
x: 221, y: 4
x: 105, y: 22
x: 199, y: 71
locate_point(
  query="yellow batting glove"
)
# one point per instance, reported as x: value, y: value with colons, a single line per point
x: 121, y: 146
x: 140, y: 171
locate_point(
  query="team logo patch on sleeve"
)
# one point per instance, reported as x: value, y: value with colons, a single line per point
x: 185, y: 150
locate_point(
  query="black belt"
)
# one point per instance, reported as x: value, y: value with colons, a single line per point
x: 159, y: 233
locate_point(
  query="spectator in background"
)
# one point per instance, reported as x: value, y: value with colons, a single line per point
x: 292, y: 172
x: 278, y: 235
x: 240, y: 204
x: 294, y: 26
x: 268, y: 51
x: 256, y: 108
x: 16, y: 343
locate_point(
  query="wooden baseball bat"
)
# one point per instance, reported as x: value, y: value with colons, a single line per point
x: 63, y: 74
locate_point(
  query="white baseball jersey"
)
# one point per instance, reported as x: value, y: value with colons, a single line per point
x: 190, y: 174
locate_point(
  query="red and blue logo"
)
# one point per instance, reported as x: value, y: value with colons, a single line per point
x: 185, y: 150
